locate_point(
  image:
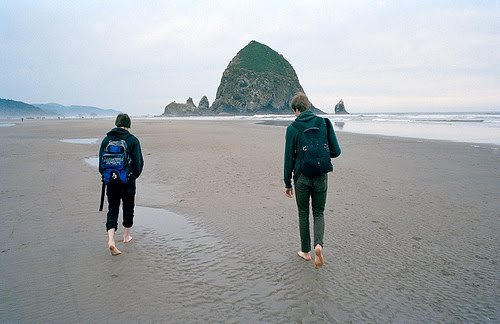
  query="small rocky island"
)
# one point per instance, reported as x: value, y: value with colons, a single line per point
x: 340, y: 108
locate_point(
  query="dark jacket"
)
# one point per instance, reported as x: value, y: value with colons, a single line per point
x: 133, y: 150
x: 292, y: 163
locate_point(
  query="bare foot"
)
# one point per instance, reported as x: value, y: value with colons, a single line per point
x: 126, y: 235
x: 114, y: 250
x: 318, y: 256
x: 305, y: 256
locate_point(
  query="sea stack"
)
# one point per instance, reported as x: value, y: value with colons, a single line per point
x: 180, y: 109
x: 258, y: 80
x: 340, y: 108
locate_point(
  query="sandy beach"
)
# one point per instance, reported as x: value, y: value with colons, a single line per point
x: 411, y: 231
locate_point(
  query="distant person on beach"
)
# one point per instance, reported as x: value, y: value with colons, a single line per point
x: 117, y: 190
x: 314, y: 186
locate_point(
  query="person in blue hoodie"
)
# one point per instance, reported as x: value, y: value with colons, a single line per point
x: 309, y: 191
x: 117, y: 191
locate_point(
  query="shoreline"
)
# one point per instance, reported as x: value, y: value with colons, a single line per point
x: 426, y: 132
x: 408, y: 223
x: 412, y: 125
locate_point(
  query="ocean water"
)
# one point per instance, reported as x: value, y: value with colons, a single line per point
x: 457, y: 127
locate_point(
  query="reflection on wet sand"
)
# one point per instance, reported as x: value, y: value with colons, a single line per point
x: 339, y: 125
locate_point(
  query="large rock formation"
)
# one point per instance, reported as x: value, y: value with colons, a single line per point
x: 340, y: 108
x: 181, y: 109
x: 258, y: 80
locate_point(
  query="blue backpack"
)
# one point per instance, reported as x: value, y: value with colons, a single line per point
x: 115, y: 162
x: 313, y: 148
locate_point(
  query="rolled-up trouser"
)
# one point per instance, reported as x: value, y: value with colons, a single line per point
x: 117, y: 192
x: 313, y: 189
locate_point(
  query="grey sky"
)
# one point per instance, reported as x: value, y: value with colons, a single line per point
x: 138, y: 56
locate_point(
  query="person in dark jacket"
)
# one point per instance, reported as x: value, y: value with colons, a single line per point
x: 118, y: 191
x: 307, y: 188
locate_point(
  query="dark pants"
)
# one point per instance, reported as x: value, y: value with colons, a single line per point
x: 118, y: 192
x: 314, y: 190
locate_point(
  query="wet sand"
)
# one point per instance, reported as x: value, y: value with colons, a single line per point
x: 411, y: 230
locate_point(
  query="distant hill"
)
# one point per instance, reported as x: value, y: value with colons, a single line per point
x: 76, y: 111
x: 17, y: 109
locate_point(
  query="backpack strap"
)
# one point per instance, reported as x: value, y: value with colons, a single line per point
x: 301, y: 128
x: 128, y: 149
x: 328, y: 127
x: 298, y: 126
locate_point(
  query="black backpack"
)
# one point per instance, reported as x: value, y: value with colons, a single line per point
x: 313, y: 148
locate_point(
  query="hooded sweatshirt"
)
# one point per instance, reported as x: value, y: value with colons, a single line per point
x: 292, y: 162
x: 133, y: 150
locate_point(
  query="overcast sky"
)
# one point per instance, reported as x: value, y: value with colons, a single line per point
x: 138, y: 56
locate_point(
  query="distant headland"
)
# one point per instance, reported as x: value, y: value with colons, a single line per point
x: 18, y: 109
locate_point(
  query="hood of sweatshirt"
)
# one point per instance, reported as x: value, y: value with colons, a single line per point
x: 118, y: 132
x: 306, y: 116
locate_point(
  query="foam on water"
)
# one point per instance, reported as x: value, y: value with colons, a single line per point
x: 456, y: 127
x: 468, y: 132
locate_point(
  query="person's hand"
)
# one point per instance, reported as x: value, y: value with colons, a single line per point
x: 289, y: 192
